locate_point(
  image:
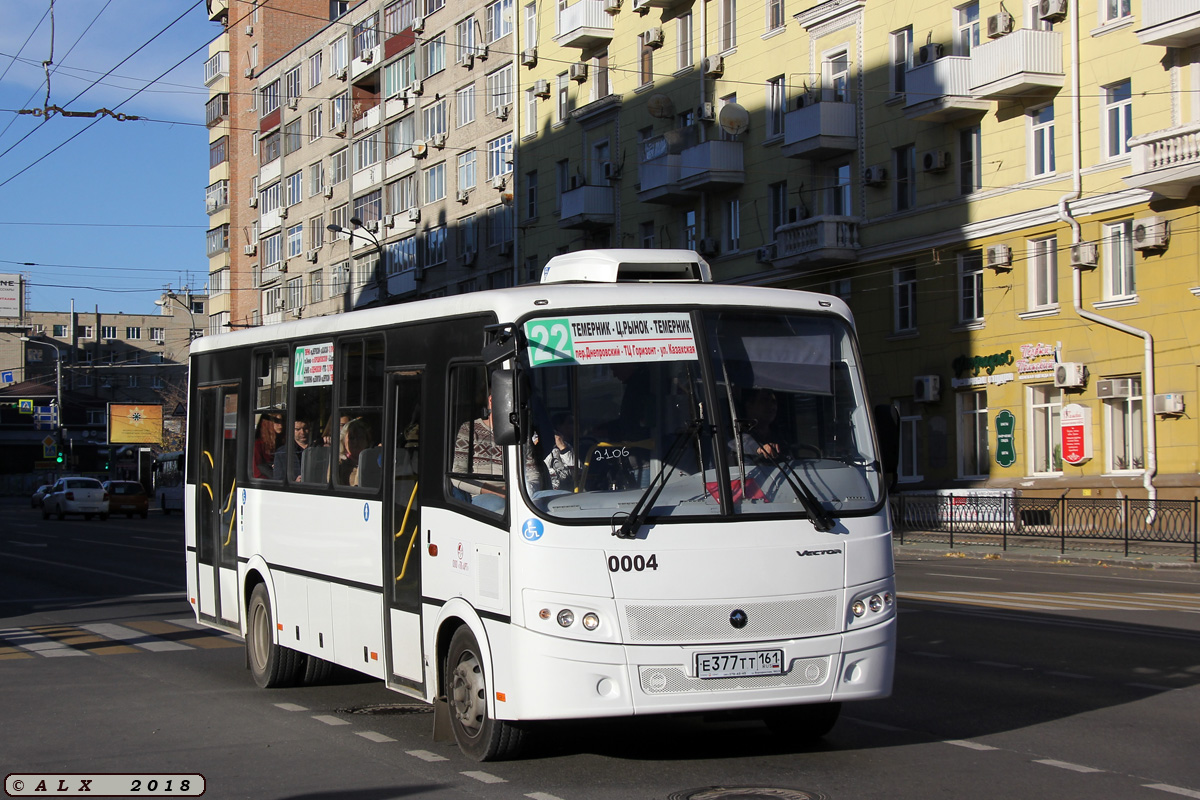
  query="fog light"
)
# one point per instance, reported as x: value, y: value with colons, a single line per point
x: 544, y: 613
x: 887, y: 598
x: 591, y: 621
x: 859, y: 608
x: 566, y: 617
x: 876, y: 602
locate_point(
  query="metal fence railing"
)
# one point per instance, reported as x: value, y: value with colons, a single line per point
x: 1136, y: 525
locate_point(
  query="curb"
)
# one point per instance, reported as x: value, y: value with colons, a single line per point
x: 1024, y: 555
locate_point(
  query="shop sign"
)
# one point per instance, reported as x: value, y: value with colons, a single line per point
x: 1037, y: 359
x: 1076, y: 424
x: 1006, y: 449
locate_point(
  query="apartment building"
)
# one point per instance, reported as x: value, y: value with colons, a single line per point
x: 1006, y: 203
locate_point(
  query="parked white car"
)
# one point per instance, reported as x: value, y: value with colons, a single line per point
x: 84, y: 496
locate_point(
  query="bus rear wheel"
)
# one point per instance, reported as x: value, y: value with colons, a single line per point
x: 271, y: 664
x: 803, y: 724
x: 479, y: 736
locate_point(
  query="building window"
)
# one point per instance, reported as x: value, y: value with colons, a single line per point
x: 271, y: 249
x: 400, y: 135
x: 1118, y: 116
x: 728, y: 24
x: 499, y: 89
x: 316, y: 179
x: 316, y: 232
x: 688, y: 229
x: 733, y: 225
x: 291, y: 84
x: 398, y: 16
x: 499, y: 225
x: 904, y: 167
x: 314, y: 69
x: 338, y: 56
x: 218, y: 240
x: 218, y: 152
x: 1114, y: 10
x: 776, y: 208
x: 1118, y: 260
x: 402, y: 195
x: 498, y: 18
x: 268, y: 149
x: 294, y: 184
x: 973, y: 456
x: 464, y: 104
x: 1043, y: 273
x: 268, y: 98
x: 966, y: 29
x: 368, y: 151
x: 904, y: 295
x: 295, y: 294
x: 434, y: 179
x: 970, y: 167
x: 434, y: 118
x: 464, y: 33
x: 216, y: 196
x: 683, y: 45
x: 434, y: 55
x: 369, y: 207
x: 910, y: 432
x: 562, y: 98
x: 500, y: 161
x: 531, y: 195
x: 341, y: 165
x: 1041, y: 141
x: 775, y: 19
x: 645, y: 60
x: 836, y: 73
x: 466, y: 170
x: 562, y: 182
x: 839, y: 194
x: 901, y: 59
x: 314, y: 123
x: 366, y: 35
x: 435, y: 246
x: 599, y: 81
x: 399, y: 75
x: 776, y: 99
x: 133, y: 333
x: 468, y: 237
x: 295, y: 240
x: 315, y: 289
x: 970, y: 286
x: 1124, y: 429
x: 1045, y: 427
x: 530, y: 112
x: 646, y: 235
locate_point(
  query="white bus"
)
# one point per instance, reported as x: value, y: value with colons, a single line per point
x: 620, y: 491
x: 167, y: 476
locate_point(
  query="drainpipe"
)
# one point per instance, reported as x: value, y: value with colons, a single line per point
x: 702, y: 213
x: 1064, y: 214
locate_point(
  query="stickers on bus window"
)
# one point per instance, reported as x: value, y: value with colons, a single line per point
x: 610, y: 339
x: 314, y: 365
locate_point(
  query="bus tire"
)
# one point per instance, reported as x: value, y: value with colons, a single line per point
x: 272, y: 665
x: 803, y: 724
x: 478, y: 735
x: 316, y: 671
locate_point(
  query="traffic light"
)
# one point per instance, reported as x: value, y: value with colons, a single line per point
x: 59, y: 457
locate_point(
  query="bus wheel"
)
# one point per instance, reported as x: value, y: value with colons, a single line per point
x: 271, y: 664
x: 804, y: 724
x: 478, y: 735
x: 316, y: 671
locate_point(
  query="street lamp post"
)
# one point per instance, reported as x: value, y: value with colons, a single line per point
x: 186, y: 307
x: 381, y: 289
x: 57, y: 381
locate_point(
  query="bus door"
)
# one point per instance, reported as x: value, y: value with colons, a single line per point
x: 216, y: 507
x: 402, y: 557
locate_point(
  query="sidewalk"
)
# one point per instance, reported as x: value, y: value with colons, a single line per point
x: 1029, y: 549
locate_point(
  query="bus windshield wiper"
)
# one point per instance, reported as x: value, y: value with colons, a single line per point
x: 822, y: 520
x: 633, y: 522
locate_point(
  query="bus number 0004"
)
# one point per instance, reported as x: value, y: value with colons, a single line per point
x: 638, y: 563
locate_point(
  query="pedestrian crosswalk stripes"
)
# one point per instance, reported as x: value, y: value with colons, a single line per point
x: 106, y: 638
x: 1066, y: 601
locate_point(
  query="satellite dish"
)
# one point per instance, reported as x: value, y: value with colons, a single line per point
x: 733, y: 119
x: 660, y: 106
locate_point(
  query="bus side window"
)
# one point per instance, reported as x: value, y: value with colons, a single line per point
x: 359, y: 459
x: 305, y: 456
x: 270, y: 394
x: 477, y: 473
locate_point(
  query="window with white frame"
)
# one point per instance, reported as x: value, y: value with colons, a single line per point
x: 499, y: 153
x: 464, y: 35
x: 369, y: 207
x: 467, y: 235
x: 368, y: 151
x: 1124, y: 427
x: 341, y: 165
x: 908, y: 469
x: 402, y: 194
x: 314, y: 70
x: 295, y: 293
x: 904, y: 184
x: 498, y: 19
x: 970, y: 165
x: 268, y: 199
x: 531, y: 195
x: 776, y: 99
x: 901, y: 49
x: 339, y: 278
x: 464, y: 105
x: 733, y: 225
x: 316, y: 231
x: 268, y: 98
x: 402, y: 255
x: 562, y: 106
x: 400, y: 135
x: 340, y: 216
x: 1114, y: 10
x: 775, y: 18
x: 314, y: 123
x: 366, y: 35
x: 339, y: 110
x: 466, y: 170
x: 966, y: 29
x: 398, y: 16
x: 399, y: 75
x: 291, y: 84
x: 271, y: 251
x: 530, y: 112
x: 1045, y: 429
x: 562, y: 181
x: 294, y: 184
x: 499, y: 224
x: 292, y: 137
x: 683, y: 44
x: 434, y: 179
x: 1043, y: 273
x: 835, y: 72
x: 531, y: 25
x: 434, y: 243
x: 970, y: 287
x: 904, y: 299
x: 599, y: 79
x: 268, y: 149
x: 973, y: 458
x: 433, y: 54
x: 777, y: 208
x: 218, y: 240
x: 316, y: 289
x: 134, y: 332
x: 687, y: 225
x: 295, y: 240
x: 316, y: 179
x: 216, y: 196
x: 838, y: 194
x: 1118, y: 118
x: 433, y: 118
x: 338, y: 56
x: 272, y: 300
x: 727, y: 24
x: 1118, y: 260
x: 499, y: 89
x: 1041, y: 141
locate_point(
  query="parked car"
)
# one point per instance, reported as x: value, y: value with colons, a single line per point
x: 39, y: 495
x: 84, y: 496
x: 127, y: 497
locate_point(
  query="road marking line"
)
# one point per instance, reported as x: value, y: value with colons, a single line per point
x: 929, y: 654
x: 1049, y: 762
x: 484, y: 777
x: 375, y: 737
x: 1152, y: 687
x: 542, y: 796
x: 37, y: 644
x: 166, y: 629
x: 329, y: 719
x: 998, y: 664
x: 966, y: 577
x: 83, y: 640
x: 1075, y: 675
x: 132, y: 637
x: 290, y: 707
x: 1164, y: 787
x: 425, y: 755
x: 883, y: 726
x: 970, y: 745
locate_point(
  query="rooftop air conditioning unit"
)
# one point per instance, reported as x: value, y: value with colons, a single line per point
x: 999, y: 256
x: 707, y: 246
x: 420, y: 148
x: 707, y: 112
x: 713, y: 66
x: 875, y: 175
x: 541, y: 89
x: 765, y: 255
x: 529, y: 57
x: 1151, y: 233
x: 1052, y: 10
x: 578, y: 72
x: 1114, y: 388
x: 418, y: 24
x: 653, y: 37
x: 252, y: 201
x: 439, y: 140
x: 612, y: 6
x: 462, y: 195
x: 927, y: 388
x: 930, y: 52
x: 312, y: 256
x: 935, y: 160
x: 999, y: 25
x: 1070, y: 375
x: 1084, y: 254
x: 1171, y: 404
x: 414, y: 214
x: 499, y: 182
x: 329, y: 191
x: 250, y: 249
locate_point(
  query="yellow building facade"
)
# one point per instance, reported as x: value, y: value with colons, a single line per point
x: 1000, y: 193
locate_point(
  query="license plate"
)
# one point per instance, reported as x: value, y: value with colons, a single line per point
x: 744, y: 664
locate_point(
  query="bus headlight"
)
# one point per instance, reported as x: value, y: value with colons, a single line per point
x: 591, y: 621
x: 872, y: 606
x: 566, y: 617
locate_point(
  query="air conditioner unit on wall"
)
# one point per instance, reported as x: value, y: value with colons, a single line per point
x: 578, y: 72
x: 1052, y: 10
x: 935, y: 160
x: 1151, y: 233
x: 874, y: 176
x: 999, y: 256
x: 1168, y: 404
x: 1085, y: 254
x: 707, y: 246
x: 414, y: 214
x: 713, y: 66
x: 529, y: 57
x: 930, y: 52
x: 999, y: 25
x: 1070, y: 375
x: 766, y: 254
x: 653, y: 37
x: 541, y: 89
x: 313, y: 255
x: 927, y: 388
x: 250, y: 249
x: 1114, y: 388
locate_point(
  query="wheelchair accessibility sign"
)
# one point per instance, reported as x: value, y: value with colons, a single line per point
x: 532, y: 530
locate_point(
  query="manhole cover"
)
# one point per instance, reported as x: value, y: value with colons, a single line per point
x: 745, y: 793
x: 387, y: 708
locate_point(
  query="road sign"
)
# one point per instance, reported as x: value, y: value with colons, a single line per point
x: 49, y: 447
x: 6, y: 376
x: 45, y: 418
x: 25, y: 406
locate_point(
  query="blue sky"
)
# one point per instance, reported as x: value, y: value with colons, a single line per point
x: 116, y: 214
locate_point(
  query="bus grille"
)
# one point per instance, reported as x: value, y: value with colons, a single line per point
x: 673, y: 680
x: 779, y: 619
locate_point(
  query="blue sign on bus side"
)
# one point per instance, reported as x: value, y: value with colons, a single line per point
x: 532, y: 530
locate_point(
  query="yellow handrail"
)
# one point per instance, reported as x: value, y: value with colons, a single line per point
x: 232, y: 517
x: 399, y: 533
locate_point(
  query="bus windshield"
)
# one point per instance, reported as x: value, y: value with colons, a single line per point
x: 740, y: 412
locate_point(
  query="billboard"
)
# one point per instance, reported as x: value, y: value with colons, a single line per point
x: 135, y: 423
x: 10, y: 295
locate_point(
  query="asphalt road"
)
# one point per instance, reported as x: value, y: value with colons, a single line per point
x: 1013, y: 680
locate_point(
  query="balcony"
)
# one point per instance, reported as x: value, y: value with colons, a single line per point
x: 820, y: 130
x: 712, y: 166
x: 817, y: 241
x: 1170, y: 23
x: 1020, y: 62
x: 588, y: 207
x: 584, y: 24
x: 941, y: 90
x: 1167, y: 162
x: 674, y: 168
x: 218, y: 10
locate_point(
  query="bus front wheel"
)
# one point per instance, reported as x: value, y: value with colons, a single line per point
x: 271, y: 664
x: 479, y: 736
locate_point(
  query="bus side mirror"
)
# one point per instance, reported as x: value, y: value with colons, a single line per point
x: 887, y: 429
x: 506, y: 413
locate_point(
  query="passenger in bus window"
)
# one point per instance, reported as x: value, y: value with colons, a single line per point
x: 560, y: 462
x: 301, y: 435
x: 266, y: 438
x: 759, y: 439
x: 356, y: 437
x: 476, y: 453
